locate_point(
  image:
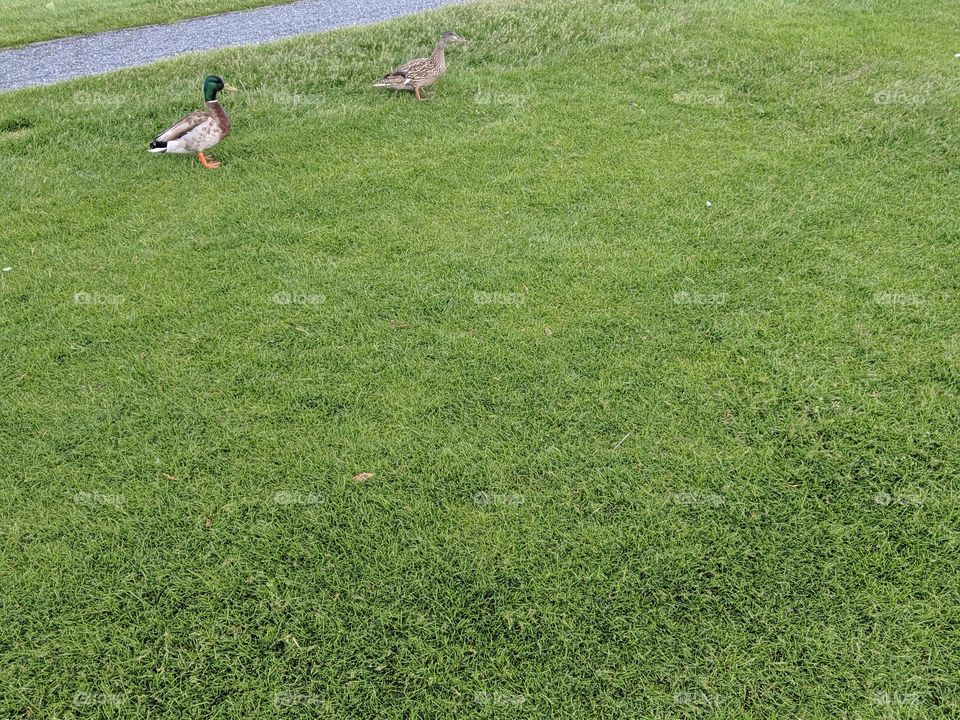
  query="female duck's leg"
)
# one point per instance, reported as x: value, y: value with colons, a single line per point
x: 209, y: 164
x: 419, y: 97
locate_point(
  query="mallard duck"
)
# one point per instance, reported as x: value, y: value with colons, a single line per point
x: 422, y: 72
x: 199, y: 130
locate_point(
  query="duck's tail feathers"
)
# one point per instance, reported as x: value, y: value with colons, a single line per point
x: 158, y: 146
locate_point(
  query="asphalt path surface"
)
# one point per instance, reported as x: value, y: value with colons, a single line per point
x: 52, y: 61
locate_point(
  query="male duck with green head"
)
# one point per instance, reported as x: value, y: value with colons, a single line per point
x: 199, y: 130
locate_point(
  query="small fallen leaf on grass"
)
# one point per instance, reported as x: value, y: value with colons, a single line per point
x: 143, y: 354
x: 360, y: 477
x: 547, y: 331
x: 397, y: 325
x: 874, y: 394
x: 208, y: 523
x: 169, y: 477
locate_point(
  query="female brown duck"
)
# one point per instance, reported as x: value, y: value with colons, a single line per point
x: 422, y: 72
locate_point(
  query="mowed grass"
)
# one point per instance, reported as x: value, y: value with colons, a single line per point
x: 25, y: 21
x: 633, y: 455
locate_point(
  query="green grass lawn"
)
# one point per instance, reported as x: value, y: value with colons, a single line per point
x: 647, y: 328
x: 25, y: 21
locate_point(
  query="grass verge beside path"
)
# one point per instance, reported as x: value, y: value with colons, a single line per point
x: 646, y: 327
x: 26, y: 21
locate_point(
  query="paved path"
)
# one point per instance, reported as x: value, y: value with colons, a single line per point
x: 49, y: 62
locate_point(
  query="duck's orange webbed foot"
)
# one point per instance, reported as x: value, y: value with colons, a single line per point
x: 209, y: 164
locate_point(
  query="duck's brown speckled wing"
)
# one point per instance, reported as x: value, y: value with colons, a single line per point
x: 184, y: 126
x: 412, y: 72
x: 398, y: 78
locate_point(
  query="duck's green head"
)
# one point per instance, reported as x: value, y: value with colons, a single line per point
x: 213, y: 85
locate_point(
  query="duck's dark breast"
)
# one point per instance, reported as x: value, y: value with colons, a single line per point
x: 223, y: 120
